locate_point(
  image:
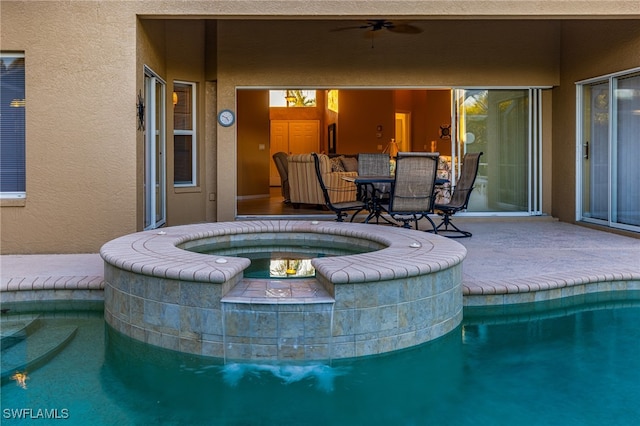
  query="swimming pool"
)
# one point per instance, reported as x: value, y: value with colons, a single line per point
x: 569, y: 362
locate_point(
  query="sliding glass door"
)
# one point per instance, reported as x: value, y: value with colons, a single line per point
x: 504, y: 125
x: 155, y: 205
x: 609, y: 150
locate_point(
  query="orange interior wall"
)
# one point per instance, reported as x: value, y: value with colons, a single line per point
x: 367, y: 120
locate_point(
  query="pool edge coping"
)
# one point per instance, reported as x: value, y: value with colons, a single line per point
x: 407, y: 253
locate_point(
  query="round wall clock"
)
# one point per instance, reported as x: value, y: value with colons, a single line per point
x: 226, y: 118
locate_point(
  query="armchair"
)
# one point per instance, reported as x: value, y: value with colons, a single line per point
x: 305, y: 188
x: 282, y: 164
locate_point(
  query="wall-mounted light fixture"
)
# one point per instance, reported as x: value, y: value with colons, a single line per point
x: 140, y: 111
x: 175, y: 99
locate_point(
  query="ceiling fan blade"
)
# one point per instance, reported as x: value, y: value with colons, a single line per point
x: 404, y: 29
x: 358, y: 27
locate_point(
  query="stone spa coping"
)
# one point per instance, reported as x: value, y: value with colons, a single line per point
x: 403, y: 289
x: 398, y: 252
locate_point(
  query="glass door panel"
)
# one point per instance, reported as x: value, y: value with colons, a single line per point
x: 625, y: 186
x: 154, y: 148
x: 160, y: 168
x: 595, y: 152
x: 496, y: 123
x: 609, y: 114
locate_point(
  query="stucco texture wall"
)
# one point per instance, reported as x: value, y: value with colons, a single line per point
x: 80, y: 125
x: 589, y: 49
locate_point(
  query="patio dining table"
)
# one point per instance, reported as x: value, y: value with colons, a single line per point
x: 369, y: 191
x: 372, y: 194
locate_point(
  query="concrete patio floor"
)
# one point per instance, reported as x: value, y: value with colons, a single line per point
x: 508, y: 261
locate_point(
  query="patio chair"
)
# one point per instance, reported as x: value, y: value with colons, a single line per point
x: 460, y: 196
x: 412, y: 195
x: 375, y: 164
x: 281, y: 160
x: 341, y: 209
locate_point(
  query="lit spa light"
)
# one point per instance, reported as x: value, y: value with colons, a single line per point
x: 21, y: 378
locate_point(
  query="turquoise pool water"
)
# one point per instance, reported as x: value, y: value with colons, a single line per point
x: 290, y: 259
x: 571, y: 362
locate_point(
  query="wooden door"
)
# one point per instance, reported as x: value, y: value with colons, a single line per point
x: 292, y: 137
x: 304, y: 136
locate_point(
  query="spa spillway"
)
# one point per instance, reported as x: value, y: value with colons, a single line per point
x: 401, y: 289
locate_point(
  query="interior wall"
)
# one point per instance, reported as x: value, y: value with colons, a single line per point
x: 437, y: 114
x: 253, y: 142
x: 367, y: 121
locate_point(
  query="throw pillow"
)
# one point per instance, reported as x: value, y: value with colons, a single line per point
x: 336, y: 164
x: 350, y: 164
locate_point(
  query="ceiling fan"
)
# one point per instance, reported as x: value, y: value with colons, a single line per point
x: 382, y: 24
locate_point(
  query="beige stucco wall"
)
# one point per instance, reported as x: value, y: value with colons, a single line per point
x: 84, y: 70
x: 590, y: 49
x: 80, y: 125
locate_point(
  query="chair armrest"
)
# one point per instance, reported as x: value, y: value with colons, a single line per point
x: 339, y: 189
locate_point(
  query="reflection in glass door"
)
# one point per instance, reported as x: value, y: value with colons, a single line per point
x: 504, y: 125
x: 155, y: 207
x: 595, y: 152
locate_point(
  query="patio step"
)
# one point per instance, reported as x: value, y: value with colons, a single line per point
x: 36, y: 349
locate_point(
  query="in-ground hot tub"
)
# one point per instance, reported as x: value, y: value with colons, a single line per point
x: 404, y: 289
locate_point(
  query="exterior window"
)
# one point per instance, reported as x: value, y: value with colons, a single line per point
x: 608, y: 147
x: 184, y: 134
x: 292, y: 98
x: 12, y: 126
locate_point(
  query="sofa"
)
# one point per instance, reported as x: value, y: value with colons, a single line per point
x: 303, y: 182
x: 443, y: 192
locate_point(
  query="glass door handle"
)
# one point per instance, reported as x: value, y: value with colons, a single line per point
x: 586, y: 150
